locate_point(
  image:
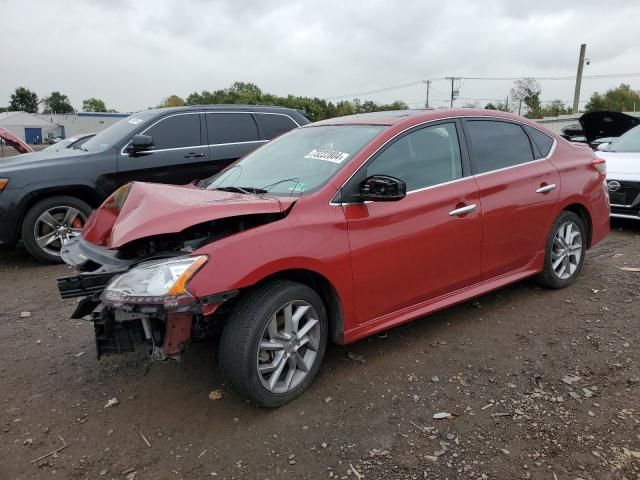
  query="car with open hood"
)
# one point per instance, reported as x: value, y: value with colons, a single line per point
x: 47, y: 196
x: 604, y: 126
x: 14, y: 141
x: 333, y: 232
x: 623, y: 174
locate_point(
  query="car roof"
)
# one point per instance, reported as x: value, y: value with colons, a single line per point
x: 410, y: 117
x: 225, y: 107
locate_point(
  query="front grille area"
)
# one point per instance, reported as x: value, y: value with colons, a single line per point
x: 628, y: 194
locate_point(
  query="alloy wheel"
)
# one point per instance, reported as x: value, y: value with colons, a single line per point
x: 288, y: 346
x: 56, y: 226
x: 566, y: 251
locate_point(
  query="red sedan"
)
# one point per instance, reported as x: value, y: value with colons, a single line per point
x: 332, y: 232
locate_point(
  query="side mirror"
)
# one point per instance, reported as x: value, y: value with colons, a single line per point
x: 602, y: 146
x: 382, y: 188
x: 139, y: 144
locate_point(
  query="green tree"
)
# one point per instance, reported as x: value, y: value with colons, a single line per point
x: 93, y: 105
x: 173, y: 101
x: 528, y: 91
x: 24, y: 100
x: 313, y: 107
x: 57, y: 103
x: 244, y: 92
x: 500, y: 106
x: 621, y: 98
x: 344, y: 108
x: 555, y: 108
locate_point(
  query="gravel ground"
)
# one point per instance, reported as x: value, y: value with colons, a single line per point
x: 533, y: 384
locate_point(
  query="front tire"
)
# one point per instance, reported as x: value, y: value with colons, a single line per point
x: 50, y: 223
x: 272, y: 345
x: 565, y: 251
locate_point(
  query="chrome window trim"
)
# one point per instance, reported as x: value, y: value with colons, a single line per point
x: 508, y: 120
x: 269, y: 113
x: 250, y: 112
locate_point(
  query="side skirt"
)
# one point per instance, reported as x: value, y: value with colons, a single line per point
x: 439, y: 303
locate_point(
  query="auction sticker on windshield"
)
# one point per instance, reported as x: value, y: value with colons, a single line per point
x: 328, y: 155
x: 135, y: 121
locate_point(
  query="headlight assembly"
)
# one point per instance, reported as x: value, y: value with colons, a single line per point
x: 157, y: 282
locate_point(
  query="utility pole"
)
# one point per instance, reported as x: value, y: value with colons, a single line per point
x: 428, y: 82
x: 454, y: 92
x: 576, y: 94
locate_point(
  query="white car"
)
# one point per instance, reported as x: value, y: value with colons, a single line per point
x: 623, y: 174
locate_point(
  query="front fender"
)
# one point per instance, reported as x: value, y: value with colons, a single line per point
x: 245, y: 259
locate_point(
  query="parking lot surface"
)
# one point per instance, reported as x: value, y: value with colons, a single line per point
x: 532, y: 383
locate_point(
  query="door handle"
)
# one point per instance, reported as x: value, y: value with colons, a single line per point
x: 463, y: 210
x: 194, y: 155
x: 546, y: 188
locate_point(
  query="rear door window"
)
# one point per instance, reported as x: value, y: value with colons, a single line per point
x: 177, y: 131
x: 496, y: 145
x: 272, y: 125
x: 542, y: 141
x: 231, y: 128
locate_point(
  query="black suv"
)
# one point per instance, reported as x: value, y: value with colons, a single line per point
x: 46, y: 197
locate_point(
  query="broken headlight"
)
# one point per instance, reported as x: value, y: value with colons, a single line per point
x: 158, y: 282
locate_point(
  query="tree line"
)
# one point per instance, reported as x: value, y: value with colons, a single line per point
x: 248, y: 93
x: 25, y: 100
x: 526, y: 93
x: 524, y: 98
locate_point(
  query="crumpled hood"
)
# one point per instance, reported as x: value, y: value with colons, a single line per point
x: 154, y: 209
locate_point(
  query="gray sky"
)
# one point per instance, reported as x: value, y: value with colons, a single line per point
x: 132, y: 54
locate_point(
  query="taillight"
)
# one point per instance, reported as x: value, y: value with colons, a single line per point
x: 600, y: 164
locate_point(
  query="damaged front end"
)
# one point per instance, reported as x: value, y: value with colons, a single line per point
x: 134, y: 280
x: 136, y: 302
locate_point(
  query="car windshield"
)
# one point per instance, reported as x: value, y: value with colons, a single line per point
x: 116, y: 133
x: 296, y: 163
x: 629, y: 142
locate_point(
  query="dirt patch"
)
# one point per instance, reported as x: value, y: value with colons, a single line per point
x: 540, y: 384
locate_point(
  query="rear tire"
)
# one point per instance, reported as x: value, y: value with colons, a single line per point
x: 266, y: 358
x: 565, y: 251
x: 53, y: 220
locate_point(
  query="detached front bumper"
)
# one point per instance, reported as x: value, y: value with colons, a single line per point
x: 119, y: 328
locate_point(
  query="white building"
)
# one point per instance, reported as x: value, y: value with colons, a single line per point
x: 32, y: 127
x: 29, y: 127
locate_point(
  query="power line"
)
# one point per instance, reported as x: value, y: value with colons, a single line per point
x: 505, y: 78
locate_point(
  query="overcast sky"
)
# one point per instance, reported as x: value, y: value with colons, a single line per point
x: 132, y: 54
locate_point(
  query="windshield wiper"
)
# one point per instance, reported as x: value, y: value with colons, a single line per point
x: 245, y: 190
x: 292, y: 179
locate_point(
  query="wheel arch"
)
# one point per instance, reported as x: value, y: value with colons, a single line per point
x: 582, y: 212
x: 321, y: 285
x: 82, y: 192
